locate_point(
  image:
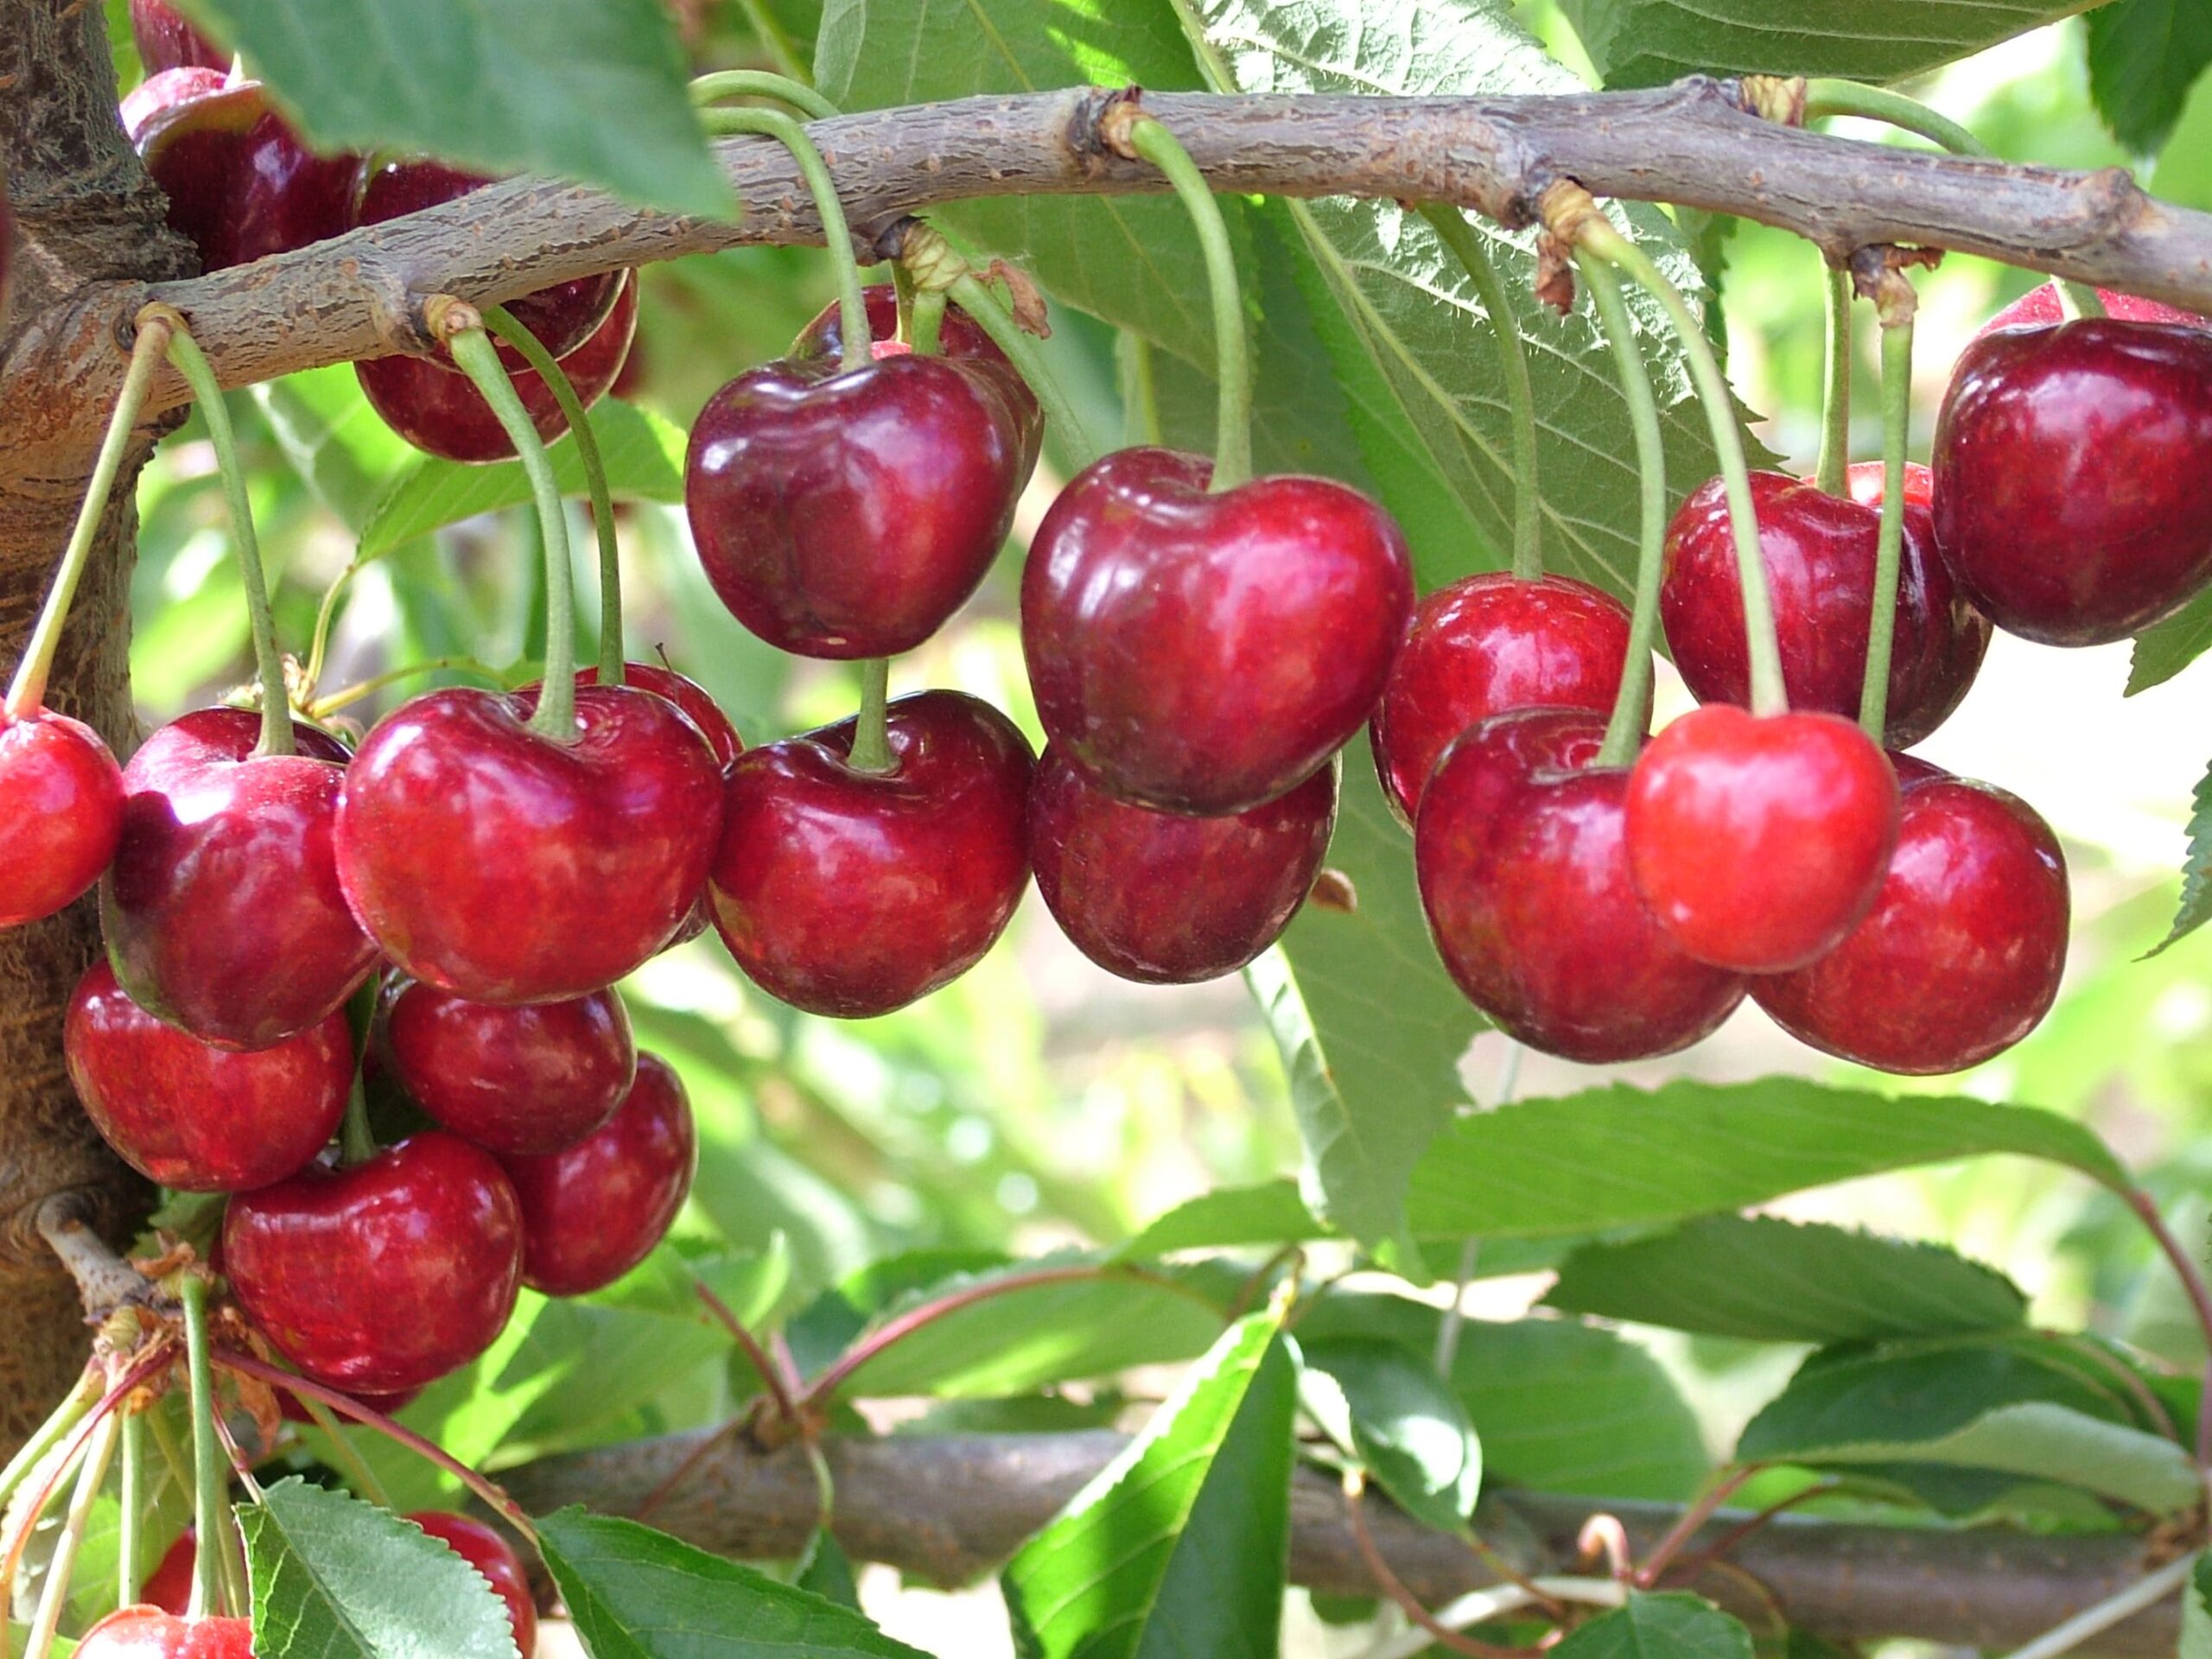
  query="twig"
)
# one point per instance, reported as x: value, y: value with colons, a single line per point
x: 2092, y: 1621
x: 1716, y: 1493
x: 104, y: 1281
x: 1395, y: 1587
x: 780, y: 1388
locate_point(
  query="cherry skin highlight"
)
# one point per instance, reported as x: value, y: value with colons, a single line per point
x: 61, y: 813
x: 1484, y: 645
x: 496, y: 1563
x: 1759, y: 840
x: 1167, y: 899
x: 165, y: 41
x: 849, y: 893
x: 150, y: 1633
x: 1205, y: 653
x: 1867, y: 482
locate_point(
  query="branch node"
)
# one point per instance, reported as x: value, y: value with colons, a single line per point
x: 444, y: 315
x: 1877, y: 274
x: 1112, y: 122
x: 1779, y: 98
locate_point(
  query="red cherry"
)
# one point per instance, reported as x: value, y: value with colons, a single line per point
x: 1484, y: 645
x: 150, y: 1633
x: 2069, y: 472
x: 383, y: 1275
x: 1962, y: 954
x: 958, y: 335
x: 1523, y: 865
x: 852, y: 893
x: 195, y: 1117
x: 686, y: 695
x: 168, y: 1586
x: 530, y: 1080
x: 165, y: 41
x: 241, y: 183
x: 1759, y: 840
x: 61, y: 813
x: 1205, y: 653
x: 1868, y: 481
x: 222, y: 909
x: 507, y: 867
x: 1819, y: 553
x: 1167, y: 900
x: 495, y: 1559
x: 2039, y: 309
x: 595, y: 1212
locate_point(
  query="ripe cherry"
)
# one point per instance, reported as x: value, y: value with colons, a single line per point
x: 168, y: 1586
x: 1868, y: 482
x: 1819, y: 553
x: 1759, y: 840
x: 382, y: 1275
x: 591, y: 1213
x: 852, y: 893
x: 495, y: 1562
x: 505, y: 868
x: 1962, y: 954
x: 958, y: 335
x: 1521, y: 851
x: 686, y: 695
x: 1167, y: 899
x: 1483, y: 645
x: 61, y: 813
x: 150, y: 1633
x: 165, y: 41
x: 2039, y: 309
x: 2069, y: 465
x: 222, y: 909
x: 1205, y: 653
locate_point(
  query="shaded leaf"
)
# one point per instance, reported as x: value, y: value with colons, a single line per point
x: 2143, y: 57
x: 827, y: 1572
x: 1674, y: 1626
x: 2195, y: 908
x: 2196, y: 1613
x: 1404, y: 1423
x: 340, y: 447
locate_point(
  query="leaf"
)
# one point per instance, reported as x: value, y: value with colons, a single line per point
x: 1405, y: 1424
x: 2143, y: 57
x: 1774, y: 1280
x: 2195, y: 908
x: 2196, y: 1613
x: 339, y: 446
x: 2163, y: 650
x: 590, y: 90
x: 1672, y: 1626
x: 334, y: 1578
x: 1271, y: 1213
x: 1179, y: 1545
x: 1618, y: 1156
x: 827, y: 1572
x: 636, y: 1593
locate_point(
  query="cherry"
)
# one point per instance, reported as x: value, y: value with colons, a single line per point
x: 530, y: 1080
x: 1167, y: 899
x: 2039, y: 309
x: 1485, y: 645
x: 592, y: 1212
x: 382, y: 1275
x: 1522, y: 853
x: 1819, y: 553
x: 241, y: 183
x: 61, y: 813
x: 195, y: 1117
x: 1205, y: 653
x: 1962, y: 954
x: 150, y: 1633
x: 1868, y: 482
x: 686, y: 695
x: 852, y: 893
x: 1759, y: 841
x: 165, y: 41
x: 958, y: 335
x: 503, y: 867
x: 2069, y: 465
x: 222, y: 909
x: 495, y: 1560
x: 168, y: 1586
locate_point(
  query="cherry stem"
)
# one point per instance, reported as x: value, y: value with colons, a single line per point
x: 1896, y: 419
x: 130, y: 1499
x: 1717, y: 1492
x: 28, y: 691
x: 871, y: 750
x: 2200, y: 1301
x: 1624, y: 731
x: 780, y: 1388
x: 1825, y: 96
x: 322, y: 707
x: 1139, y: 390
x: 925, y: 323
x: 1832, y: 472
x: 65, y: 1416
x: 357, y: 1466
x: 761, y: 82
x: 2077, y: 301
x: 326, y: 613
x: 502, y: 323
x: 1396, y: 1589
x: 473, y: 350
x: 54, y: 1595
x: 837, y: 234
x: 968, y: 293
x: 1232, y: 460
x: 207, y: 1588
x: 1467, y: 244
x: 357, y: 1143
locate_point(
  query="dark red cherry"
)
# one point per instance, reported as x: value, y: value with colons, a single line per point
x: 383, y: 1275
x: 1759, y: 840
x: 533, y: 1080
x: 197, y: 1118
x: 1521, y: 854
x: 686, y: 695
x: 1483, y: 645
x: 165, y: 41
x: 1205, y: 653
x: 505, y: 868
x: 150, y: 1633
x: 2069, y: 476
x: 1961, y: 957
x: 1167, y: 899
x: 958, y: 335
x: 595, y: 1212
x: 2039, y: 309
x: 1819, y: 552
x: 495, y: 1562
x: 61, y: 813
x: 852, y: 893
x: 1868, y: 480
x: 241, y: 183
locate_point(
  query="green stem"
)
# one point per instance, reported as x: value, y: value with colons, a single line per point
x: 27, y: 690
x: 2077, y: 300
x: 1826, y: 95
x: 1232, y: 459
x: 48, y: 1435
x: 1467, y: 245
x: 1768, y: 697
x: 759, y: 82
x: 925, y: 323
x: 321, y: 707
x: 54, y: 1595
x: 357, y: 1143
x: 1897, y: 416
x: 501, y: 322
x: 326, y: 613
x: 357, y: 1466
x: 837, y: 234
x: 982, y: 307
x: 1625, y: 730
x: 556, y: 703
x: 208, y: 1586
x: 1139, y: 390
x: 871, y: 751
x: 276, y: 705
x: 1831, y: 475
x: 129, y: 1500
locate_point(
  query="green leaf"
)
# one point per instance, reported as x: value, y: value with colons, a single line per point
x: 1271, y: 1213
x: 2163, y: 651
x: 1618, y: 1156
x: 643, y: 453
x: 334, y: 1578
x: 338, y: 444
x: 1404, y: 1423
x: 1674, y: 1626
x: 826, y: 1570
x: 2143, y: 57
x: 590, y: 90
x: 1180, y: 1545
x: 1774, y: 1280
x: 636, y: 1593
x: 2196, y: 1613
x: 2195, y: 908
